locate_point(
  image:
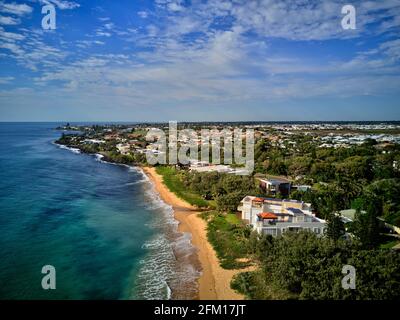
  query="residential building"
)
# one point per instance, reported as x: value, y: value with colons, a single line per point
x: 277, y: 216
x: 123, y: 148
x: 275, y: 185
x: 302, y: 188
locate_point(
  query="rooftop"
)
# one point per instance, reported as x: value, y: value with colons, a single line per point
x: 295, y: 211
x: 274, y: 180
x: 262, y: 199
x: 267, y: 215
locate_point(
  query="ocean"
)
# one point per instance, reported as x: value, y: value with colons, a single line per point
x: 102, y: 226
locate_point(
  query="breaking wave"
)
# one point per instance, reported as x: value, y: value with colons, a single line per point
x: 170, y: 269
x: 74, y: 150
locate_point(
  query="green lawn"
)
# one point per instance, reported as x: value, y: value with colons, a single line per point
x: 173, y: 182
x: 233, y: 219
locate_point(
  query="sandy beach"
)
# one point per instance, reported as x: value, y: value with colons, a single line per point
x: 214, y: 283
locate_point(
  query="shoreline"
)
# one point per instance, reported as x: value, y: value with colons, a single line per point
x: 214, y: 282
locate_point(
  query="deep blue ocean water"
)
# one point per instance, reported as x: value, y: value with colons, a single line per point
x: 101, y: 226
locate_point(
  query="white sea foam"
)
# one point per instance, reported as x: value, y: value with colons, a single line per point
x: 74, y: 150
x: 135, y: 182
x: 138, y: 170
x: 99, y: 157
x: 169, y: 291
x: 168, y: 270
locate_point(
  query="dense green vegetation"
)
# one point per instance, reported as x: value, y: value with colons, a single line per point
x: 340, y: 177
x: 303, y: 266
x: 172, y: 179
x: 226, y: 189
x: 108, y: 149
x: 229, y: 237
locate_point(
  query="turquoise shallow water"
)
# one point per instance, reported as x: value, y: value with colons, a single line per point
x: 100, y: 225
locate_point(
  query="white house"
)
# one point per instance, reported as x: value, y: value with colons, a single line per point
x: 123, y: 148
x: 276, y: 216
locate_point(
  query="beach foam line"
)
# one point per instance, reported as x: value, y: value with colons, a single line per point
x: 214, y: 281
x: 74, y: 150
x: 135, y: 182
x: 172, y: 256
x: 168, y: 270
x: 99, y: 156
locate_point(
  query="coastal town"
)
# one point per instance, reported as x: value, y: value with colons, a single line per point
x: 321, y: 184
x: 200, y: 159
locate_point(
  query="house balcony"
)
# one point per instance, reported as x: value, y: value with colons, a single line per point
x: 266, y: 223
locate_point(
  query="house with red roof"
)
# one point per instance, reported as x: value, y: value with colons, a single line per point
x: 276, y: 216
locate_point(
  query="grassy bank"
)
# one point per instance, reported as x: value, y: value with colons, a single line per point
x: 254, y: 286
x: 172, y: 180
x: 229, y: 237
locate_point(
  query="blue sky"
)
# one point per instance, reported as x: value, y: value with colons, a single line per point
x: 199, y: 60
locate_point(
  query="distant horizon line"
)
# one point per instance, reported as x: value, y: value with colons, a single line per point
x: 213, y: 121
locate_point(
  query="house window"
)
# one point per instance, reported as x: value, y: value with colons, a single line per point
x: 294, y: 229
x: 270, y: 231
x: 317, y: 230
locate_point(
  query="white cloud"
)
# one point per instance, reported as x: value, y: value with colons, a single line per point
x: 143, y: 14
x: 16, y: 9
x: 10, y: 36
x: 6, y: 80
x: 152, y: 30
x: 174, y: 6
x: 61, y: 4
x: 220, y: 63
x: 109, y: 26
x: 14, y: 48
x: 100, y: 33
x: 9, y: 20
x: 88, y: 43
x: 391, y: 49
x: 295, y: 19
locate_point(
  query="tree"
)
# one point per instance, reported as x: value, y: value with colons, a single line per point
x: 305, y: 266
x: 356, y: 167
x: 261, y: 150
x: 299, y: 166
x: 366, y: 225
x: 335, y: 227
x: 387, y: 198
x: 229, y: 202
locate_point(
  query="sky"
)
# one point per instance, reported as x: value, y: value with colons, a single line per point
x: 199, y: 60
